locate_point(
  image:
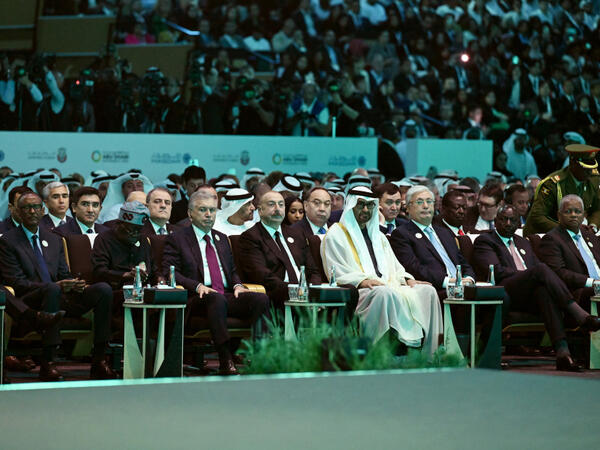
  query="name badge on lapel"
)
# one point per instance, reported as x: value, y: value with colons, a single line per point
x: 45, y: 243
x: 290, y: 240
x: 522, y: 251
x: 418, y: 235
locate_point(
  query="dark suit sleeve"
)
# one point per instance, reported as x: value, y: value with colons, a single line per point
x: 11, y: 270
x: 404, y: 252
x: 235, y: 278
x: 313, y: 275
x: 172, y: 257
x: 551, y: 252
x: 101, y: 262
x: 254, y: 265
x: 484, y: 254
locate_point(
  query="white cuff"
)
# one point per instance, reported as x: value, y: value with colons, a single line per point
x: 589, y: 282
x: 445, y: 283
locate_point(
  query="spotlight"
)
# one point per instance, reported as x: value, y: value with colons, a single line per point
x: 464, y: 57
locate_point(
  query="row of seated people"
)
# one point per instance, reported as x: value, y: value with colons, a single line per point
x: 271, y: 255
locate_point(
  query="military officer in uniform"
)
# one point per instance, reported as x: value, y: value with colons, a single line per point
x: 580, y: 177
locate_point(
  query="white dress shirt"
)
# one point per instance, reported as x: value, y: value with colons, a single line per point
x: 590, y: 281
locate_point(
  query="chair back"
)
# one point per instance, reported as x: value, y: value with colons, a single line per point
x: 78, y: 253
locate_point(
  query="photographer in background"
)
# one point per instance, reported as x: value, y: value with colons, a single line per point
x: 344, y: 108
x: 22, y: 95
x: 306, y: 115
x: 251, y: 113
x: 79, y: 110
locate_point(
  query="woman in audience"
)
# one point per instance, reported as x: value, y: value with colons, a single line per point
x: 294, y: 210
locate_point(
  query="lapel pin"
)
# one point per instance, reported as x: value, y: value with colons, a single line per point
x: 590, y: 244
x: 522, y: 251
x: 418, y: 235
x: 137, y: 244
x: 217, y: 238
x: 44, y: 243
x: 290, y: 240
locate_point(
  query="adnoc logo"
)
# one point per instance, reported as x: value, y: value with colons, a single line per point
x: 277, y: 159
x: 61, y: 154
x: 96, y: 156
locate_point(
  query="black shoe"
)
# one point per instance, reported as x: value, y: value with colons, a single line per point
x: 44, y: 320
x: 227, y: 368
x: 100, y: 370
x: 591, y: 323
x: 49, y: 372
x: 566, y: 364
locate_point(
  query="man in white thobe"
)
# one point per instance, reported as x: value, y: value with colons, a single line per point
x: 389, y: 297
x: 235, y: 215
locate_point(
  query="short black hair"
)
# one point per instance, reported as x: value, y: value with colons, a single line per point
x: 306, y: 196
x: 451, y: 195
x: 512, y: 190
x: 386, y: 188
x: 84, y: 190
x: 17, y: 190
x: 193, y: 172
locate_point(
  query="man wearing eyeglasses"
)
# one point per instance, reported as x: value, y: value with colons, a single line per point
x: 428, y: 251
x: 488, y: 203
x: 317, y: 209
x: 32, y: 261
x: 390, y: 207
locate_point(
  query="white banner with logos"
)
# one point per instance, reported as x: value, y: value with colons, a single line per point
x: 158, y: 155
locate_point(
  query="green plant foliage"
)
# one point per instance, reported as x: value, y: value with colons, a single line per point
x: 329, y: 348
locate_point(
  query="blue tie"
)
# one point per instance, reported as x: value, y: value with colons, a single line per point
x: 589, y: 263
x: 390, y: 228
x: 45, y: 275
x: 450, y: 267
x: 322, y: 230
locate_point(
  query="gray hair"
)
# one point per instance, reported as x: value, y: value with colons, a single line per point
x: 569, y: 197
x: 156, y: 189
x: 50, y: 186
x: 201, y: 194
x: 417, y: 190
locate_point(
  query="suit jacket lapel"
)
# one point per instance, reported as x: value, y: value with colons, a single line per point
x: 291, y: 245
x: 221, y: 249
x: 427, y: 242
x: 504, y: 250
x: 270, y: 242
x: 194, y: 246
x: 26, y: 245
x: 568, y: 241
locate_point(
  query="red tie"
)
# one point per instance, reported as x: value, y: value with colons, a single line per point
x: 461, y: 232
x: 213, y: 267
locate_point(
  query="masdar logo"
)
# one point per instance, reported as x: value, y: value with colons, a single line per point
x: 61, y: 155
x: 96, y: 156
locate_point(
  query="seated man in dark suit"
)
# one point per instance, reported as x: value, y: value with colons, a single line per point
x: 428, y: 251
x: 531, y: 286
x: 159, y: 202
x: 119, y: 250
x: 13, y: 220
x: 56, y: 198
x: 32, y: 261
x: 317, y: 209
x: 204, y: 266
x: 453, y: 212
x: 193, y: 177
x: 390, y: 207
x: 86, y: 206
x: 573, y: 251
x: 271, y: 255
